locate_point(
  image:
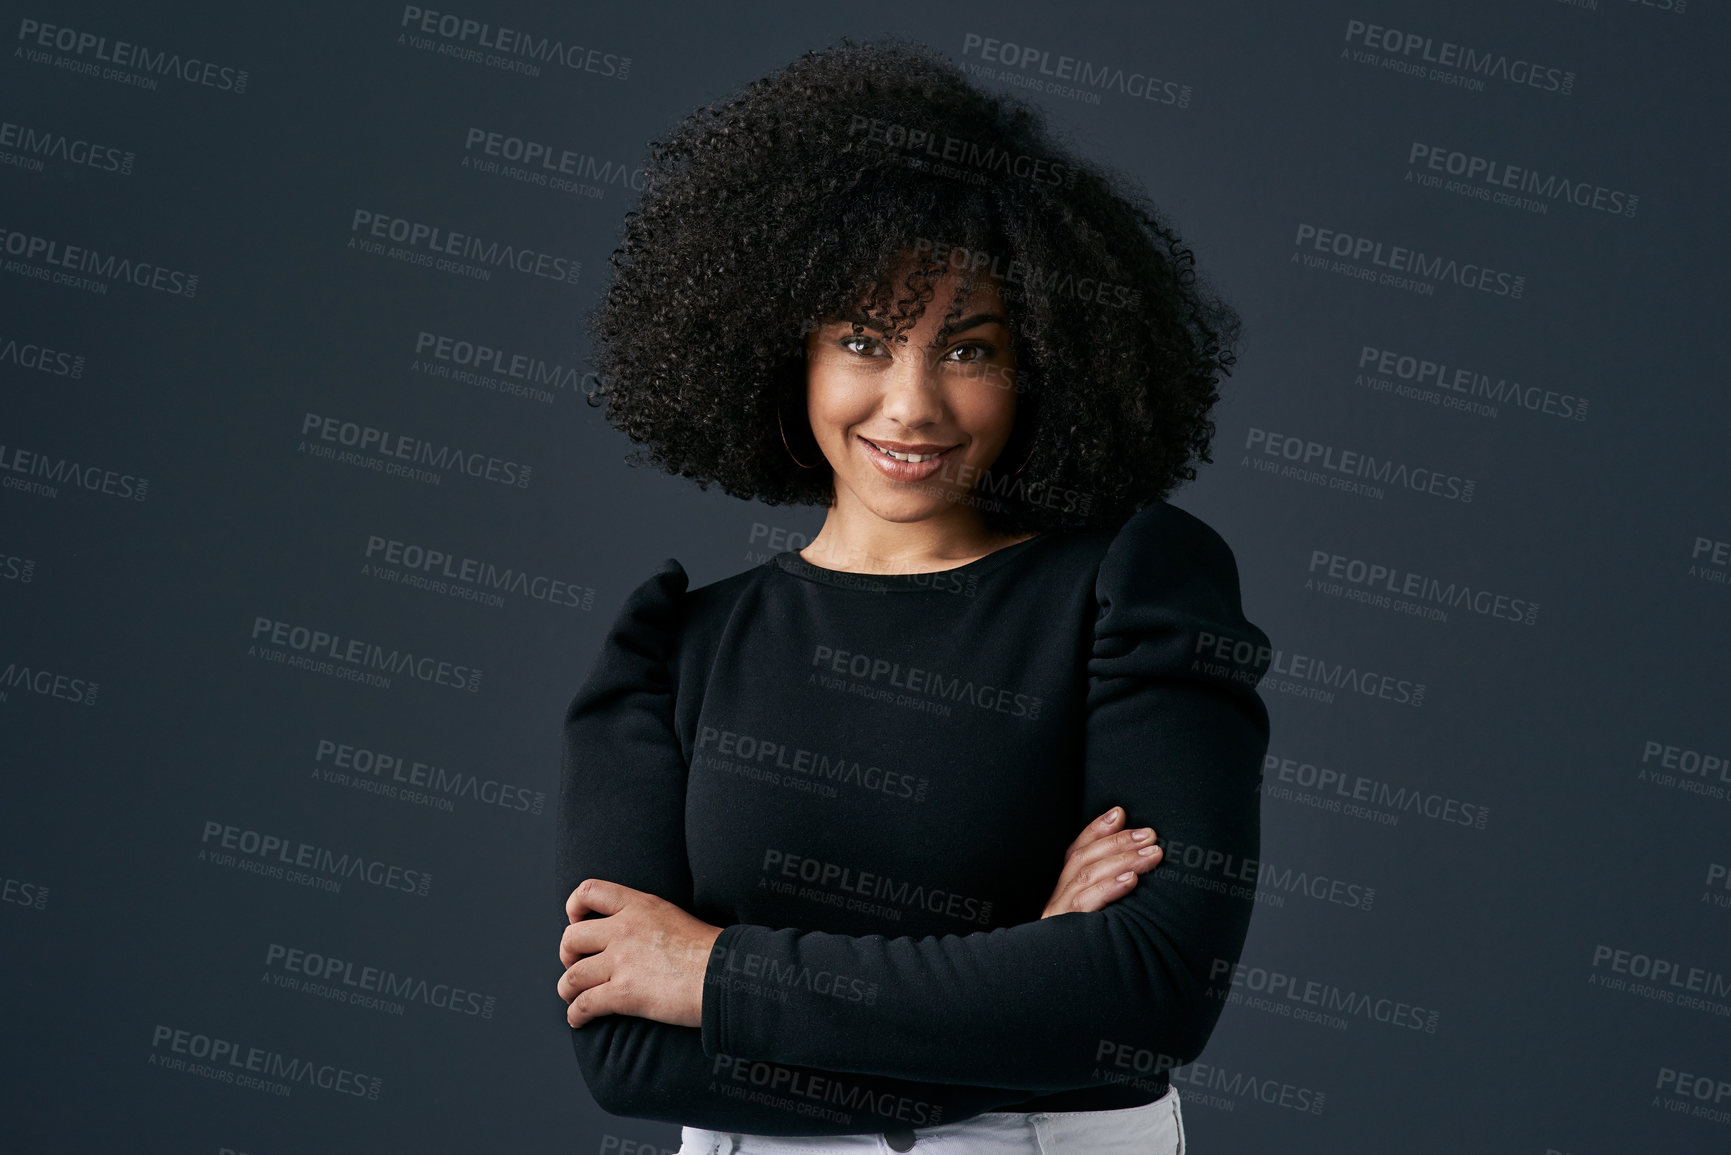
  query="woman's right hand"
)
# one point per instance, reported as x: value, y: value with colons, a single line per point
x: 1102, y: 865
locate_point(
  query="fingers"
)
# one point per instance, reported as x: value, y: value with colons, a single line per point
x: 591, y: 971
x: 1103, y: 894
x: 1111, y: 878
x: 1108, y: 822
x: 1124, y: 850
x: 1095, y: 892
x: 592, y: 1004
x: 588, y: 937
x: 602, y: 998
x: 1094, y: 876
x: 596, y: 896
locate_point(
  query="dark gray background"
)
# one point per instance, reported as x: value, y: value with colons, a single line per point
x: 112, y: 925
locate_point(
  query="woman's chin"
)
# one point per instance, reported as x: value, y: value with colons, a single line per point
x: 907, y: 502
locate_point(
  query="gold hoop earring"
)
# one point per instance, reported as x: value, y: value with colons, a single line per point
x: 1025, y: 460
x: 784, y: 443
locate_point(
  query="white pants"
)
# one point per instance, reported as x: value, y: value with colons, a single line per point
x: 1155, y: 1128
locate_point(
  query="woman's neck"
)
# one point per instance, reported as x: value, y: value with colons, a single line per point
x: 856, y: 540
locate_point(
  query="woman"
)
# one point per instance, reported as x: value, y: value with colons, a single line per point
x: 812, y: 814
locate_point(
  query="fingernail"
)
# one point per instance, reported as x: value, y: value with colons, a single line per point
x: 1139, y: 835
x: 1127, y: 876
x: 1149, y: 851
x: 1111, y: 817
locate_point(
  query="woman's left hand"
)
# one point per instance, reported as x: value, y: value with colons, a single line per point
x: 646, y: 957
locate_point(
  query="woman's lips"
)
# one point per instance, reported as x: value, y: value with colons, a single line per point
x: 904, y: 470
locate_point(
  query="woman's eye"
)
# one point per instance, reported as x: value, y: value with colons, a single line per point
x: 971, y: 352
x: 863, y: 346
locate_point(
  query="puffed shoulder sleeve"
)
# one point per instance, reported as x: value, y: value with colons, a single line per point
x: 1175, y: 724
x: 622, y: 762
x: 622, y: 818
x: 1169, y: 606
x: 1175, y: 733
x: 1170, y: 613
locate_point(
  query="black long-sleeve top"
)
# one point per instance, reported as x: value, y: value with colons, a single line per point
x: 869, y: 781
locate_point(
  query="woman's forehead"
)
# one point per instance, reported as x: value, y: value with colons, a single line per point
x: 972, y: 291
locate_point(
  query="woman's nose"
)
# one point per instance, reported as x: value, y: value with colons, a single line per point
x: 912, y: 392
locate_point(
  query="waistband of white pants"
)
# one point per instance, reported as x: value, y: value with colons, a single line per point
x: 992, y: 1133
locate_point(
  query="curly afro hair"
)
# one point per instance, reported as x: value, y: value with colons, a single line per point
x: 856, y: 176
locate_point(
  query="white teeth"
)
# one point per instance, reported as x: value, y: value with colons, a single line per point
x: 913, y: 457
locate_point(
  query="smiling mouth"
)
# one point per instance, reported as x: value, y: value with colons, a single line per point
x: 901, y: 455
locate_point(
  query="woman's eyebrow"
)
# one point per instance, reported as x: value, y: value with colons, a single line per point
x: 863, y: 321
x: 960, y: 326
x: 973, y: 322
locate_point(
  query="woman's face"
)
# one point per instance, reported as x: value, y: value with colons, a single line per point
x: 945, y: 396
